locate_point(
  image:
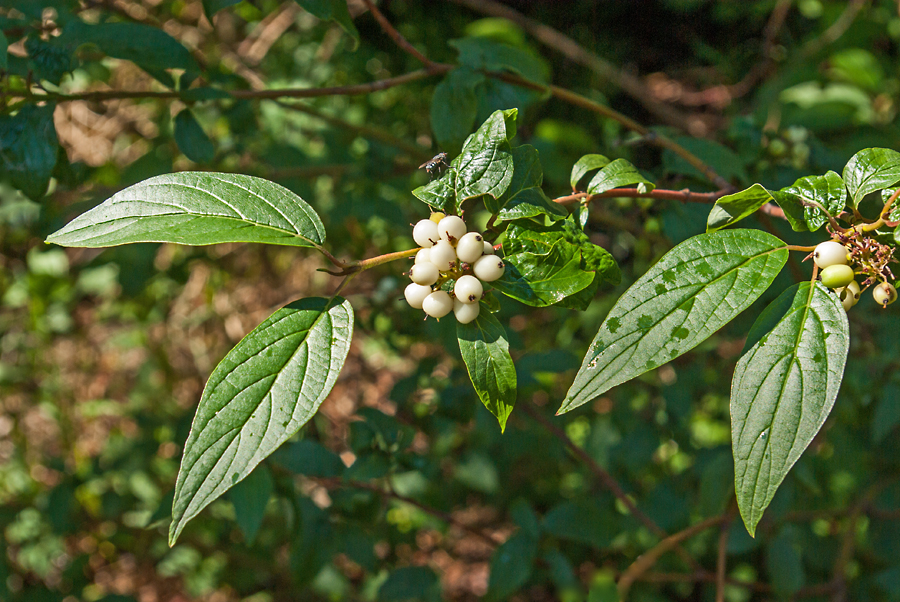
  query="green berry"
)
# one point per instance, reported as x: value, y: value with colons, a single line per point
x: 884, y: 294
x: 837, y: 276
x: 437, y: 216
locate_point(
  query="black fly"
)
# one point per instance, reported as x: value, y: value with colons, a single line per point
x: 436, y: 165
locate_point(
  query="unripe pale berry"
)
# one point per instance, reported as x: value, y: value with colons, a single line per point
x: 884, y: 294
x: 830, y: 253
x: 837, y: 275
x: 451, y: 228
x: 415, y: 294
x: 849, y: 295
x: 425, y: 233
x: 437, y: 216
x: 489, y: 268
x: 468, y: 289
x: 443, y: 255
x: 488, y: 248
x: 423, y: 256
x: 470, y: 247
x: 465, y: 312
x: 438, y: 304
x: 424, y: 273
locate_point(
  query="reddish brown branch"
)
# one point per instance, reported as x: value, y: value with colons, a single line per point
x: 684, y: 195
x: 395, y: 35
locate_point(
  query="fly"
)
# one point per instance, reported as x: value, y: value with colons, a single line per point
x: 436, y: 165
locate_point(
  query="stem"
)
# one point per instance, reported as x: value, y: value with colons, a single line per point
x: 395, y: 35
x: 646, y: 560
x: 887, y: 206
x: 683, y: 195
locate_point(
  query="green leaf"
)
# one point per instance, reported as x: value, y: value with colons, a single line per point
x: 333, y: 10
x: 782, y: 391
x: 732, y: 208
x: 250, y: 498
x: 309, y: 458
x: 410, y: 583
x: 584, y: 521
x: 28, y: 146
x: 784, y: 563
x: 485, y: 165
x: 491, y: 55
x: 827, y: 191
x: 616, y: 174
x: 511, y: 566
x: 191, y: 138
x: 869, y: 170
x: 454, y: 107
x: 540, y: 280
x: 265, y: 389
x: 691, y: 292
x: 531, y: 203
x: 197, y: 208
x: 211, y: 7
x: 485, y: 351
x: 49, y: 60
x: 4, y: 44
x: 887, y: 413
x: 527, y: 173
x: 439, y: 194
x: 146, y: 46
x: 584, y: 165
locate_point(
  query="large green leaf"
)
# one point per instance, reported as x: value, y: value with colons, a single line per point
x: 531, y: 203
x: 485, y: 351
x: 485, y: 165
x: 265, y: 389
x: 869, y: 170
x: 584, y: 165
x: 511, y: 566
x: 250, y: 498
x: 197, y: 208
x: 691, y: 292
x: 732, y: 208
x: 827, y: 191
x: 28, y: 146
x: 783, y: 390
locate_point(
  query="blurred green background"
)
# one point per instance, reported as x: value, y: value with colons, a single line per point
x: 402, y: 487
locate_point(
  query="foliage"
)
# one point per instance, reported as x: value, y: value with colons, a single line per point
x: 360, y: 448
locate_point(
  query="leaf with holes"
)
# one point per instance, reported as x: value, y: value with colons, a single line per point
x: 825, y: 191
x: 265, y: 389
x: 783, y: 390
x: 695, y: 289
x: 197, y: 208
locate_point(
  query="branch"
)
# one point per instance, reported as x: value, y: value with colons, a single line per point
x: 609, y: 482
x: 646, y: 561
x: 683, y: 195
x: 721, y: 560
x: 576, y: 53
x: 395, y: 35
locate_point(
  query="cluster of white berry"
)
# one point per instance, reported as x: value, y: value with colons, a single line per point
x: 834, y: 260
x: 450, y: 253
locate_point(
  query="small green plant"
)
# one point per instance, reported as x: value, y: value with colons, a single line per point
x: 784, y: 385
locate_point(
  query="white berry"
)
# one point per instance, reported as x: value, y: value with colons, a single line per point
x: 451, y: 228
x: 470, y: 247
x: 465, y: 312
x: 438, y: 304
x: 884, y: 294
x: 849, y: 295
x: 830, y: 253
x: 489, y: 268
x: 443, y: 255
x: 415, y: 294
x: 423, y: 256
x: 424, y: 273
x: 425, y: 233
x: 488, y: 248
x: 468, y: 289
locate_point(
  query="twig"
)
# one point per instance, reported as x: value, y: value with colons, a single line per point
x: 722, y: 558
x: 395, y: 35
x: 336, y: 483
x: 836, y: 30
x: 576, y: 53
x: 684, y: 195
x: 366, y: 131
x: 609, y: 482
